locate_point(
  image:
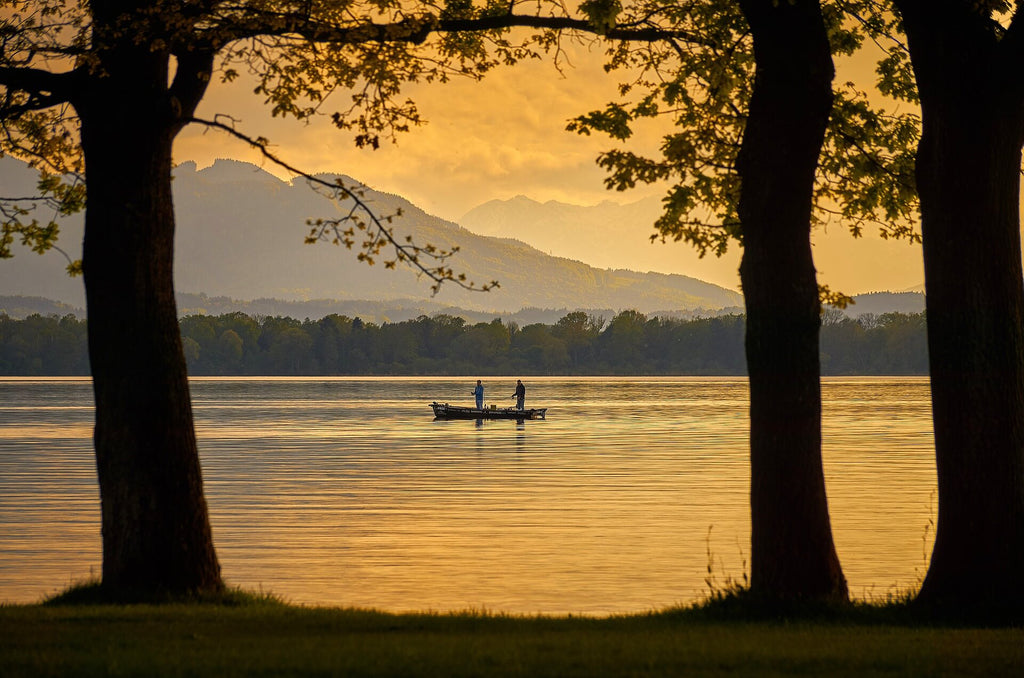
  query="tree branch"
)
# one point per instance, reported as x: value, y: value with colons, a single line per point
x: 195, y: 67
x: 35, y: 102
x: 53, y: 87
x: 258, y: 24
x: 645, y: 33
x: 417, y: 29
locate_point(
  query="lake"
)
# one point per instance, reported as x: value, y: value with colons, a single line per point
x: 346, y: 492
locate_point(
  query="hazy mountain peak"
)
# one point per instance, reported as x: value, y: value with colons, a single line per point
x: 225, y: 169
x: 515, y: 202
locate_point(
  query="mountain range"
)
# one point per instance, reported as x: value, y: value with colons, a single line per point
x: 241, y: 230
x: 239, y: 246
x: 398, y: 310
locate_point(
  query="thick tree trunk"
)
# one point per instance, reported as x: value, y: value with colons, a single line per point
x: 975, y: 303
x: 156, y: 531
x: 792, y: 552
x: 968, y: 176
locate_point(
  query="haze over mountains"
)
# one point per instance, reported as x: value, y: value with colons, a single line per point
x: 240, y: 247
x: 607, y: 235
x: 613, y: 235
x: 241, y: 230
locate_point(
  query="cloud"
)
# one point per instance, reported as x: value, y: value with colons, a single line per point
x: 492, y: 139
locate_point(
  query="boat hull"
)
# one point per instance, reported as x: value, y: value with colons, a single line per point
x: 446, y: 411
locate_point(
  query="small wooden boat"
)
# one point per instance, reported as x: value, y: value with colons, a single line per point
x: 446, y: 411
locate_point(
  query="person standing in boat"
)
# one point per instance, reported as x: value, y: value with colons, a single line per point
x: 479, y: 393
x: 520, y: 394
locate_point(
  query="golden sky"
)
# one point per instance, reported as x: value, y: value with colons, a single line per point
x: 505, y: 136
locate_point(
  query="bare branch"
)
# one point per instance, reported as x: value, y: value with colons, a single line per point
x: 378, y: 234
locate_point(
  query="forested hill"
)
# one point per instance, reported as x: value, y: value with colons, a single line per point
x: 19, y: 307
x: 240, y: 233
x: 629, y: 343
x: 397, y: 310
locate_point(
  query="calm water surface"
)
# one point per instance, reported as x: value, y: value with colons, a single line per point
x: 347, y: 492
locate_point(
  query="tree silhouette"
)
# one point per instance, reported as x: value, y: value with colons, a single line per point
x: 792, y: 551
x: 967, y: 59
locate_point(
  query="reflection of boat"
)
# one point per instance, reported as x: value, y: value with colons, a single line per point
x: 446, y: 411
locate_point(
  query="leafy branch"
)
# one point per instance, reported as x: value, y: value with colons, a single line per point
x: 61, y: 192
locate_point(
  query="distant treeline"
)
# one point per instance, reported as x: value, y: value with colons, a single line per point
x: 578, y: 344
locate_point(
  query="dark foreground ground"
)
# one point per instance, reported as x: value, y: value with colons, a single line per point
x: 281, y: 640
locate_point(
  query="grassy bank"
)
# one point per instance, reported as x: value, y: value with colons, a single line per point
x: 266, y: 639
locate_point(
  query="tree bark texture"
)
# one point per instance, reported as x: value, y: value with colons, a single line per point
x: 792, y: 551
x: 157, y: 538
x: 968, y: 179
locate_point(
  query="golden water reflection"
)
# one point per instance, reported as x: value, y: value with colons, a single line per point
x: 346, y: 492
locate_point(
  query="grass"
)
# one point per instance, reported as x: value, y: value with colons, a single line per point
x: 257, y: 635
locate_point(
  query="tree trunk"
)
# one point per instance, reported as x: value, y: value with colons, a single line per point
x: 792, y: 552
x: 156, y: 532
x: 968, y: 178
